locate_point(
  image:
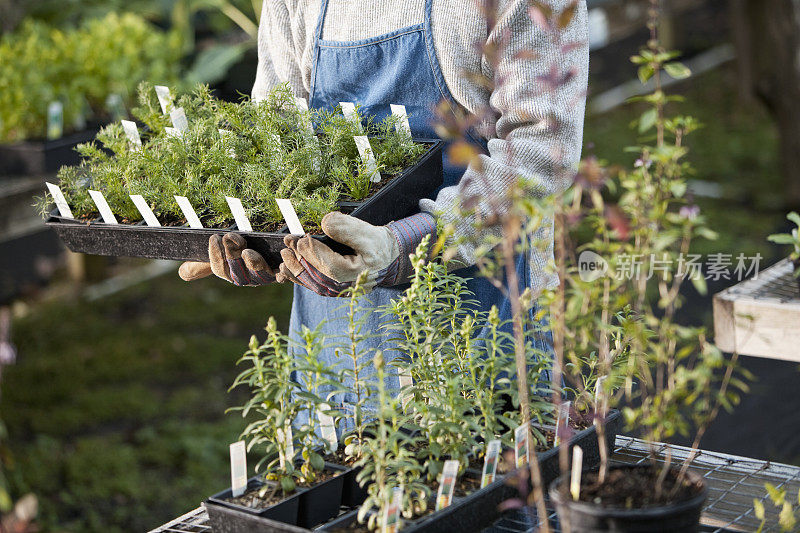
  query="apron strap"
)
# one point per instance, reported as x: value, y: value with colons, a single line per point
x: 323, y: 9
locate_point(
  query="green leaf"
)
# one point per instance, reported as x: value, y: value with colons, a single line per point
x: 645, y: 72
x: 794, y: 217
x: 781, y: 238
x: 287, y: 484
x: 677, y: 70
x: 212, y: 64
x: 647, y: 120
x: 700, y: 286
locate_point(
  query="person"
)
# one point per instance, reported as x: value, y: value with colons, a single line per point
x: 417, y: 53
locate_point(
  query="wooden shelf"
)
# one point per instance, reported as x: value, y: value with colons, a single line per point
x: 761, y: 316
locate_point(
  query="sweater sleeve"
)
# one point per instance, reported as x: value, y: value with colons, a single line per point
x: 281, y: 42
x: 536, y: 132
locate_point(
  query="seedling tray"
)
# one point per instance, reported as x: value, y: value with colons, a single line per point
x: 395, y: 200
x: 42, y: 157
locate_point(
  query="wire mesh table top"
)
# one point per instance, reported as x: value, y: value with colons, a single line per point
x: 733, y: 483
x: 775, y: 284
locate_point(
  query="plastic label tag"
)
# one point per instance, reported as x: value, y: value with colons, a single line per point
x: 600, y: 400
x: 188, y: 211
x: 171, y: 132
x: 103, y: 207
x: 242, y: 222
x: 349, y: 111
x: 60, y: 201
x: 132, y: 133
x: 490, y: 462
x: 179, y: 121
x: 164, y: 98
x: 521, y: 445
x: 577, y: 467
x: 55, y: 120
x: 365, y: 150
x: 327, y: 427
x: 562, y: 423
x: 391, y: 521
x: 285, y: 436
x: 115, y: 106
x: 290, y: 216
x: 403, y: 126
x: 447, y: 484
x: 144, y: 209
x: 406, y: 381
x: 238, y: 468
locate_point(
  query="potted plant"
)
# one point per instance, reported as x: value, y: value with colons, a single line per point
x: 673, y: 379
x: 256, y: 152
x: 297, y: 486
x: 792, y: 239
x: 83, y: 77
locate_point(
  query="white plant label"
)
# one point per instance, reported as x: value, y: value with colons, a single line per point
x: 290, y: 216
x: 521, y: 445
x: 406, y: 381
x: 238, y: 468
x: 188, y: 211
x: 328, y: 428
x: 403, y: 126
x: 172, y: 132
x: 285, y: 436
x: 600, y: 400
x: 577, y: 467
x: 490, y: 462
x: 132, y: 133
x: 242, y: 222
x: 164, y: 98
x: 144, y: 209
x: 179, y: 121
x: 368, y: 157
x: 60, y: 201
x: 562, y: 423
x: 391, y: 521
x: 55, y: 120
x: 349, y: 111
x: 103, y: 207
x: 447, y: 484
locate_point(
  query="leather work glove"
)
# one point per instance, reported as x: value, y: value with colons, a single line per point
x: 382, y: 251
x: 230, y: 260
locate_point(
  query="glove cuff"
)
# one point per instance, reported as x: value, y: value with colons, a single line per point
x: 408, y: 232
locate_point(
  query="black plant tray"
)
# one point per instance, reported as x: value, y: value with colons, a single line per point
x: 480, y: 509
x: 42, y: 157
x: 304, y: 509
x: 395, y: 200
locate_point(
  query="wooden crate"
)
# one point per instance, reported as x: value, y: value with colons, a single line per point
x: 761, y: 316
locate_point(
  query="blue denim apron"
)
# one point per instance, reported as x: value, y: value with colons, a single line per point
x: 400, y: 67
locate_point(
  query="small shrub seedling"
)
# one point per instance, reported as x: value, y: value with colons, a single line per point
x: 793, y: 240
x: 255, y: 151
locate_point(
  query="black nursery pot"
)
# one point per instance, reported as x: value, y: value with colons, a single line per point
x: 585, y: 517
x: 353, y: 494
x: 397, y: 199
x: 321, y: 502
x: 228, y: 517
x: 42, y: 157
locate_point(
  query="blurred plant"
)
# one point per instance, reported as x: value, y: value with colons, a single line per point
x: 80, y: 68
x: 788, y: 515
x: 266, y: 154
x: 792, y: 239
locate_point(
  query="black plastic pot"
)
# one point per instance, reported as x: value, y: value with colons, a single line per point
x: 42, y: 157
x: 228, y: 517
x: 353, y: 494
x: 586, y: 517
x: 321, y: 502
x: 397, y: 199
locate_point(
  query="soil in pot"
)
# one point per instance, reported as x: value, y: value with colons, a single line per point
x: 628, y: 501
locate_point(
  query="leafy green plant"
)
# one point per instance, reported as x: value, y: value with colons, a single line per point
x: 789, y: 514
x: 268, y: 152
x: 792, y: 239
x: 80, y: 68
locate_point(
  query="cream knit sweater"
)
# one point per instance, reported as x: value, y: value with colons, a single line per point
x: 521, y: 141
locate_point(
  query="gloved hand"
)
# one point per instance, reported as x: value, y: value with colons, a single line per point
x: 230, y: 260
x: 383, y: 251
